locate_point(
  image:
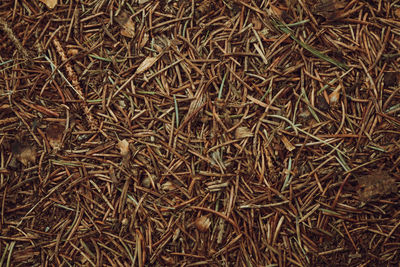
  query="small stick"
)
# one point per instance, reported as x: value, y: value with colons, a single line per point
x: 75, y: 84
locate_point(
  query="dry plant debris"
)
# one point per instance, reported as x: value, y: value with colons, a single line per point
x: 146, y: 64
x: 123, y: 146
x: 203, y: 223
x: 128, y: 26
x: 49, y: 3
x: 329, y: 9
x: 376, y: 184
x: 55, y: 132
x: 189, y: 133
x: 24, y: 153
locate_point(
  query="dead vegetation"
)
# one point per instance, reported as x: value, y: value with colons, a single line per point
x: 214, y: 133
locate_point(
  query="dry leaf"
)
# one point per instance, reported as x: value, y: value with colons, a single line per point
x: 158, y: 48
x: 24, y: 153
x: 127, y: 24
x: 146, y: 182
x: 257, y: 23
x: 397, y: 13
x: 287, y: 143
x: 391, y: 78
x: 128, y: 29
x: 378, y: 183
x: 49, y: 3
x: 55, y: 134
x: 335, y: 95
x: 123, y: 146
x: 290, y: 3
x: 144, y: 40
x: 321, y: 103
x: 168, y: 186
x: 146, y: 64
x: 72, y: 52
x: 168, y: 260
x: 243, y: 132
x: 329, y: 9
x: 275, y: 11
x: 204, y: 7
x: 149, y: 180
x: 203, y: 223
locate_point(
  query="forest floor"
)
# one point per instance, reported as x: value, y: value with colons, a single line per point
x: 188, y: 133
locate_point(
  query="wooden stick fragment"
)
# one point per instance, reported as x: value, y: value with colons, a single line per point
x: 75, y: 84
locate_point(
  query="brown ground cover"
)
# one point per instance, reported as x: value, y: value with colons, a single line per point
x: 199, y: 133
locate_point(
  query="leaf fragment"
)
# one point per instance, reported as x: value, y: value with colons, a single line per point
x: 243, y: 132
x: 146, y: 64
x: 24, y: 153
x: 49, y: 3
x: 329, y: 9
x: 203, y: 223
x: 335, y: 95
x: 123, y: 146
x: 287, y: 143
x: 128, y: 29
x: 378, y: 183
x: 144, y: 40
x: 55, y: 134
x: 127, y: 25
